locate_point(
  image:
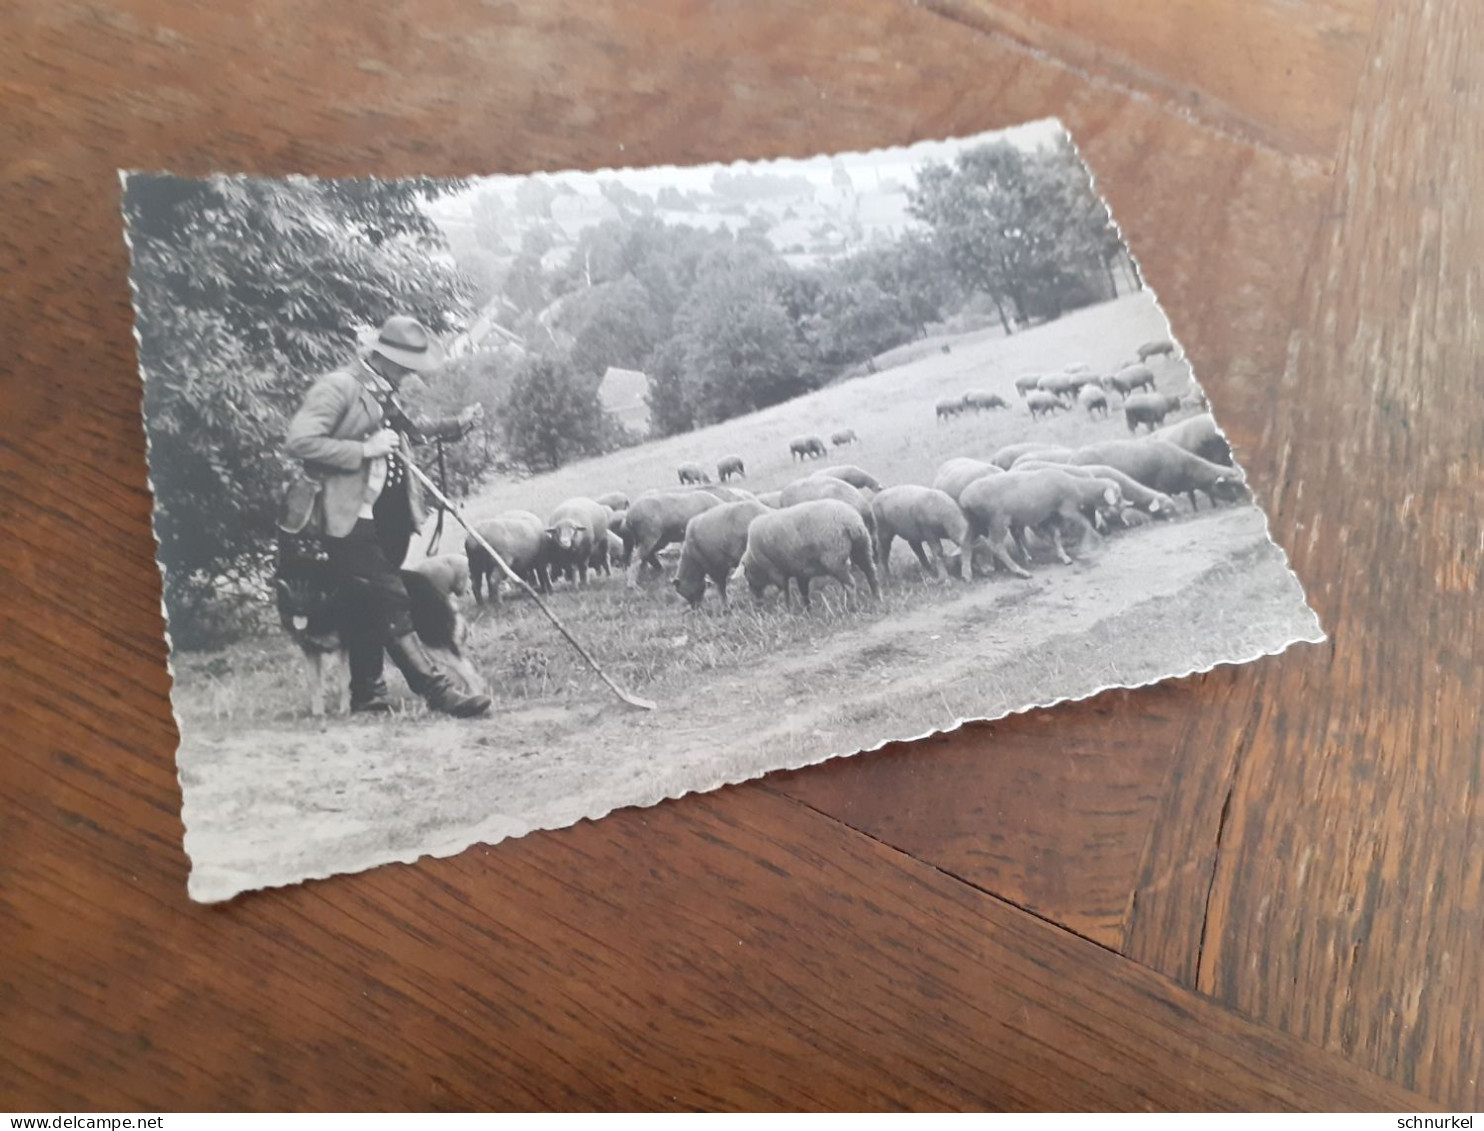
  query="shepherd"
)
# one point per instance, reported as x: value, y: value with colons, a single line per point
x: 354, y: 439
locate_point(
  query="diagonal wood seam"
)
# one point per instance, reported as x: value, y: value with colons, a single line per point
x: 1175, y: 986
x: 1141, y: 82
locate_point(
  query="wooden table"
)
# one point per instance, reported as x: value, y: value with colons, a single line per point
x: 1256, y: 888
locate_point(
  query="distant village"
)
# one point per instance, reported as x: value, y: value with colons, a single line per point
x: 809, y: 220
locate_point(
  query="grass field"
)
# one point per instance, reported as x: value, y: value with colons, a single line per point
x: 271, y: 797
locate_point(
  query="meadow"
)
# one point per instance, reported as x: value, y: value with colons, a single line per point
x: 271, y: 795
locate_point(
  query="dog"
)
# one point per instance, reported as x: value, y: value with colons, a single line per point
x: 314, y: 611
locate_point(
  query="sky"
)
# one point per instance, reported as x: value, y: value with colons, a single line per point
x: 897, y: 163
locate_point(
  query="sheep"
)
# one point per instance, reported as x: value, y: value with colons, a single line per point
x: 1062, y: 386
x: 692, y: 473
x: 855, y: 476
x: 519, y: 538
x: 1044, y: 455
x: 821, y: 538
x: 1162, y: 466
x: 1134, y: 493
x: 1078, y: 367
x: 713, y: 545
x: 980, y: 400
x: 1130, y: 379
x: 1026, y: 382
x: 1005, y: 457
x: 572, y: 531
x: 1199, y: 436
x: 1000, y: 508
x: 1155, y: 348
x: 729, y: 466
x: 614, y: 501
x: 923, y: 517
x: 958, y: 473
x: 656, y: 520
x: 807, y: 447
x: 1093, y: 399
x: 1149, y: 409
x: 844, y: 438
x: 1043, y: 403
x: 449, y: 573
x: 607, y: 549
x: 772, y: 499
x: 948, y: 408
x: 828, y: 487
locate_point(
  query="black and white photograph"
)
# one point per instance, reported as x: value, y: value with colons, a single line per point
x: 491, y: 504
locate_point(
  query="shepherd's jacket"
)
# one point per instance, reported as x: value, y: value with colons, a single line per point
x: 338, y: 415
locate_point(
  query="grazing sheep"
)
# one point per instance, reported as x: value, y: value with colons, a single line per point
x: 655, y: 521
x: 1199, y: 436
x: 1094, y: 400
x: 1130, y: 379
x: 1043, y: 403
x: 519, y: 538
x: 980, y: 400
x: 958, y: 473
x: 1162, y: 466
x: 449, y: 573
x: 572, y: 531
x: 844, y: 438
x: 1063, y: 386
x: 948, y: 408
x: 1077, y: 367
x: 859, y: 479
x: 822, y: 538
x: 729, y: 466
x: 607, y: 549
x: 714, y: 543
x: 614, y: 501
x: 1135, y: 493
x: 1044, y: 455
x: 923, y: 517
x: 829, y: 487
x: 692, y: 473
x: 1026, y: 382
x: 1005, y: 457
x: 1154, y: 349
x: 1149, y: 409
x: 1001, y: 508
x: 722, y: 494
x: 807, y: 447
x: 771, y: 499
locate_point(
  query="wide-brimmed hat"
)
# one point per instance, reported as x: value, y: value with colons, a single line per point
x: 407, y: 342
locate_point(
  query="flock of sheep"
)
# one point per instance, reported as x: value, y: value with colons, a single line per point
x: 1027, y: 499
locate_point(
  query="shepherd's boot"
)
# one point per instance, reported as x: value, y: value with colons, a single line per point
x: 425, y: 679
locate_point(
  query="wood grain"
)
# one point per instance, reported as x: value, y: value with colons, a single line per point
x: 1273, y: 71
x: 734, y: 951
x: 1299, y: 836
x: 1346, y: 905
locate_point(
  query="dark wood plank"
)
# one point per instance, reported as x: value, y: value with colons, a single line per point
x: 1275, y: 71
x: 734, y: 951
x: 1346, y: 905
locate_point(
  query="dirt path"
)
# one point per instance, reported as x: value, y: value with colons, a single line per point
x: 274, y: 805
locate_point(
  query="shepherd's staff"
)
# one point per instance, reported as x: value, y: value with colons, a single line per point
x: 443, y: 501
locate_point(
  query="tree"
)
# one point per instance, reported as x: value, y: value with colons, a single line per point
x: 1002, y: 219
x: 247, y: 289
x: 612, y: 324
x: 554, y: 415
x: 856, y: 320
x: 740, y: 352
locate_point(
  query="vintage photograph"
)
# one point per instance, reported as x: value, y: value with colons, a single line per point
x: 487, y: 505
